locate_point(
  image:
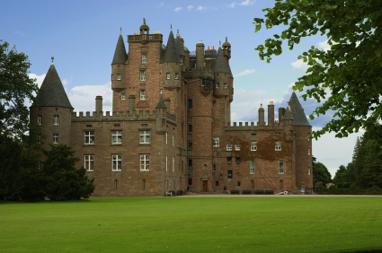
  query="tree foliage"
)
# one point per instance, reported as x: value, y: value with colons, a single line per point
x: 15, y: 88
x: 321, y: 176
x: 63, y: 180
x: 346, y: 78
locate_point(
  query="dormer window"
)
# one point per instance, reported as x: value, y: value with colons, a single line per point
x: 176, y: 76
x: 56, y: 120
x: 142, y: 75
x: 119, y: 77
x: 168, y: 76
x: 142, y: 95
x: 143, y: 59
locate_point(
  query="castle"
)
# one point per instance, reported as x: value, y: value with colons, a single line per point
x: 170, y: 129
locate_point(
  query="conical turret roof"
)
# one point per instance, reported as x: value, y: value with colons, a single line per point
x: 120, y: 55
x: 171, y: 54
x: 221, y: 63
x: 52, y: 92
x: 299, y: 117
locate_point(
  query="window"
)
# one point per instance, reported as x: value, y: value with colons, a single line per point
x: 144, y: 137
x: 144, y: 162
x: 237, y: 147
x: 228, y: 147
x: 176, y: 76
x: 253, y: 146
x: 166, y: 135
x: 142, y: 95
x: 217, y: 85
x: 55, y: 138
x: 308, y: 172
x: 119, y: 77
x: 123, y: 97
x: 229, y: 174
x: 56, y: 121
x: 278, y: 146
x: 143, y: 59
x: 173, y: 164
x: 89, y: 137
x: 166, y: 163
x: 173, y: 140
x: 89, y: 162
x: 281, y: 167
x: 252, y: 167
x: 116, y: 137
x: 142, y: 75
x: 238, y: 160
x: 189, y: 103
x: 39, y: 120
x: 190, y: 128
x: 116, y: 162
x: 225, y: 86
x: 168, y: 76
x: 216, y: 142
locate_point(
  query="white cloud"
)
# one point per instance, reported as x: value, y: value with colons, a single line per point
x: 246, y: 104
x: 82, y: 97
x: 299, y: 64
x: 200, y: 8
x: 324, y: 45
x: 190, y: 7
x: 245, y: 72
x: 178, y: 9
x: 247, y: 2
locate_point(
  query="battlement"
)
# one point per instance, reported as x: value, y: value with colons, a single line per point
x: 138, y: 38
x: 239, y: 126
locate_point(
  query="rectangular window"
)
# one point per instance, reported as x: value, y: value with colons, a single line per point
x: 89, y: 137
x: 143, y: 59
x: 229, y: 174
x: 190, y: 128
x: 142, y: 95
x: 166, y: 135
x: 168, y: 76
x: 281, y: 167
x: 225, y: 86
x: 56, y: 120
x: 55, y: 138
x: 89, y: 162
x: 176, y: 76
x: 119, y: 77
x: 116, y: 162
x: 173, y: 164
x: 144, y: 137
x: 189, y: 103
x: 166, y: 163
x: 142, y: 75
x: 173, y: 140
x: 252, y: 167
x: 144, y: 162
x: 254, y: 146
x: 237, y: 147
x: 116, y: 137
x: 278, y: 146
x: 217, y: 85
x: 228, y: 147
x: 216, y: 142
x: 39, y: 120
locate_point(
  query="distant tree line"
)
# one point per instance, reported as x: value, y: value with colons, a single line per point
x: 363, y: 175
x: 27, y: 172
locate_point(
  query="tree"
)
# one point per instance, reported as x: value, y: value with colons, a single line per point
x: 342, y: 178
x: 63, y: 180
x: 345, y: 78
x: 15, y: 88
x: 321, y: 175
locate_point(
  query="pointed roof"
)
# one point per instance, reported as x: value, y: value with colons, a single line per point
x: 161, y: 104
x: 52, y: 92
x: 171, y: 54
x: 120, y: 55
x: 299, y: 117
x: 221, y: 63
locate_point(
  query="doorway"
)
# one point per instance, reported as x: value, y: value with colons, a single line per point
x: 205, y: 185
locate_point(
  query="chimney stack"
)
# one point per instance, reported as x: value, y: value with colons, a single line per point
x: 199, y: 55
x: 98, y: 104
x: 281, y: 114
x: 261, y: 116
x: 271, y: 114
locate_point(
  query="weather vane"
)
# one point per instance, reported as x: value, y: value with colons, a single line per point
x: 52, y: 59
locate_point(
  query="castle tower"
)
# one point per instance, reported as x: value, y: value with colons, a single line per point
x: 51, y: 111
x: 118, y: 80
x: 303, y: 144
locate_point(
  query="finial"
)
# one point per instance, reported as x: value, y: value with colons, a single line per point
x: 226, y: 39
x: 220, y: 43
x: 171, y: 27
x: 52, y: 59
x: 120, y: 30
x: 144, y: 21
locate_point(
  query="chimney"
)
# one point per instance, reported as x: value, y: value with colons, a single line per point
x: 131, y: 103
x: 261, y: 116
x: 271, y: 114
x: 98, y: 104
x: 199, y: 55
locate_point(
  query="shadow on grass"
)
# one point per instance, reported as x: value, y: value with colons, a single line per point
x: 364, y: 251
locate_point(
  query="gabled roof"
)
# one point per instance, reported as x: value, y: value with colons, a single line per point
x: 120, y: 55
x: 52, y: 92
x: 171, y: 54
x: 299, y: 117
x: 221, y: 63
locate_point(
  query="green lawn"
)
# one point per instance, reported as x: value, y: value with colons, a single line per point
x: 194, y: 224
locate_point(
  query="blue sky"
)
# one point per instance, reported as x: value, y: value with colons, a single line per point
x: 82, y: 35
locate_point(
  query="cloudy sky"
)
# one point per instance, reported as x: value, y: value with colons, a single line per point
x: 82, y: 35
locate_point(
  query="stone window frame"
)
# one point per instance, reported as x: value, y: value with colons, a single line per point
x: 89, y: 162
x: 229, y: 174
x: 237, y: 147
x: 142, y: 95
x: 144, y: 136
x: 173, y: 140
x: 281, y: 167
x: 176, y: 76
x: 253, y: 146
x: 56, y: 138
x: 144, y: 162
x: 216, y: 142
x: 252, y: 166
x: 89, y: 137
x: 119, y: 77
x: 166, y: 163
x: 173, y: 164
x: 278, y: 147
x: 116, y: 162
x: 168, y: 76
x: 144, y: 59
x: 56, y: 120
x: 228, y: 147
x: 142, y: 75
x: 116, y: 137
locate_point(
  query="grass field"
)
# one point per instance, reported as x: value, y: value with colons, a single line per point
x: 194, y: 224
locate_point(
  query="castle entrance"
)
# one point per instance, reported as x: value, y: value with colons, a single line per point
x: 205, y: 185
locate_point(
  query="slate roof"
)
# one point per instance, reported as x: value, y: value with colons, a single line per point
x: 221, y: 64
x: 120, y: 55
x: 171, y: 54
x: 52, y: 92
x: 299, y: 117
